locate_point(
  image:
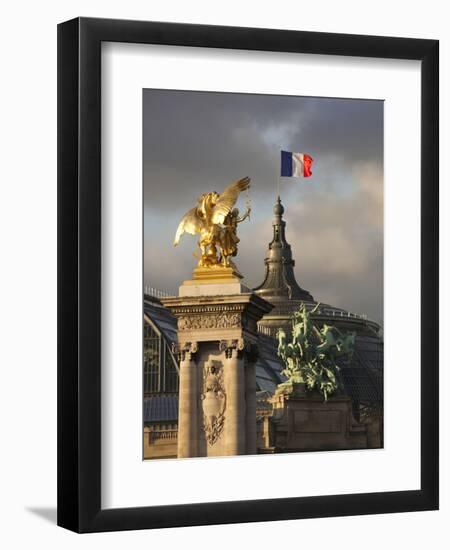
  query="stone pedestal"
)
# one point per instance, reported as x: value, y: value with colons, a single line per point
x: 217, y: 346
x: 307, y: 423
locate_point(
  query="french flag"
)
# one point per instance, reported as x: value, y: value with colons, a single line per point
x: 295, y: 165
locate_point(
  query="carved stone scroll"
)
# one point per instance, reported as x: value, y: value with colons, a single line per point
x: 186, y: 351
x: 240, y: 347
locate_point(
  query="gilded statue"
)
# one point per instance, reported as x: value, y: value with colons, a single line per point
x: 215, y: 219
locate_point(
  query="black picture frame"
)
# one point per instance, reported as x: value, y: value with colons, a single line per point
x: 79, y: 274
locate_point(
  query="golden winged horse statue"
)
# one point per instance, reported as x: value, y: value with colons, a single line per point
x: 215, y: 219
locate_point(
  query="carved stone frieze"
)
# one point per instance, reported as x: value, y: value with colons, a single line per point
x: 200, y: 322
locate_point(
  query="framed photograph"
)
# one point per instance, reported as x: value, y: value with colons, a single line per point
x: 247, y: 275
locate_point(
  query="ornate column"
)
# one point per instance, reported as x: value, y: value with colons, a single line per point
x: 187, y: 410
x: 250, y: 398
x: 235, y: 436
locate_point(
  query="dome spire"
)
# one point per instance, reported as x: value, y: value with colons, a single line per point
x: 279, y: 281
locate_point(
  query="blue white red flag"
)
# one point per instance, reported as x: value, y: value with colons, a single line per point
x: 295, y: 165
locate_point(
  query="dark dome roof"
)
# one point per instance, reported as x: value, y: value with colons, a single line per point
x: 363, y: 377
x: 279, y: 280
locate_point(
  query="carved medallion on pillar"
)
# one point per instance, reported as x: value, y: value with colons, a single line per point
x: 214, y: 402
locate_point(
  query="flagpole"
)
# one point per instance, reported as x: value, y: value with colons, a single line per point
x: 278, y: 170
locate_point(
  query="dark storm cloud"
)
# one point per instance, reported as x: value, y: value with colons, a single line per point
x: 196, y: 142
x: 191, y: 138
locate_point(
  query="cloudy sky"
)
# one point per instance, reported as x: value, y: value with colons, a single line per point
x: 195, y: 142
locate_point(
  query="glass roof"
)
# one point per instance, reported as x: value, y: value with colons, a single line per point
x: 362, y: 379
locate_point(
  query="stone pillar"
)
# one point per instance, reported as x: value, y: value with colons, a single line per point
x: 250, y: 412
x: 234, y: 431
x: 217, y: 402
x: 187, y: 410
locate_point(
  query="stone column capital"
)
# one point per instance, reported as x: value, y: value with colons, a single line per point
x: 239, y: 348
x: 185, y: 351
x: 232, y: 348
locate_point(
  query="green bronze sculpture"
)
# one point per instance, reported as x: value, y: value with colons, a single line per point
x: 310, y: 358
